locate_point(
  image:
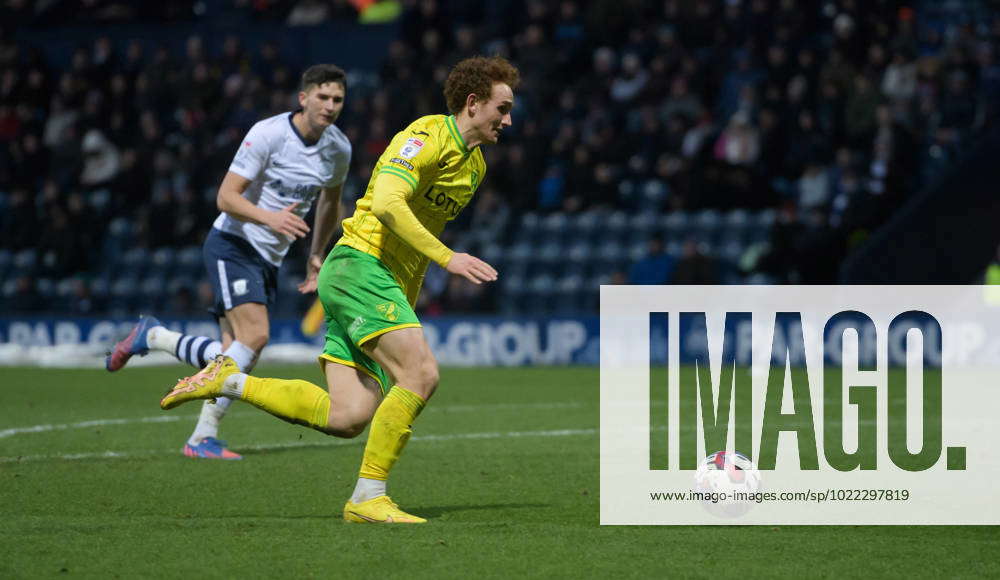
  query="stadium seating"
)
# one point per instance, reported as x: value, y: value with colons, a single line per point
x: 6, y: 260
x: 550, y: 261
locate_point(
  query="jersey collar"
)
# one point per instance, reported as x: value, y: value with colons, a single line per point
x: 296, y: 129
x: 453, y: 129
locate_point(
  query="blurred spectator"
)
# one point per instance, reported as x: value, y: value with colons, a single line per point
x: 26, y: 298
x: 101, y: 159
x: 814, y: 187
x: 631, y: 80
x: 860, y: 112
x: 695, y: 266
x: 81, y: 301
x: 900, y: 79
x: 656, y: 267
x: 739, y: 143
x: 645, y: 107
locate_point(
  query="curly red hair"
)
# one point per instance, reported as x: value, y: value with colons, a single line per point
x: 476, y: 76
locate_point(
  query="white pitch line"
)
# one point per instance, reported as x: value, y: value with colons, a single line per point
x: 94, y: 423
x: 4, y: 433
x: 298, y: 444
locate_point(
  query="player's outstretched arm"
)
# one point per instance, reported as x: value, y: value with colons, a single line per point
x: 230, y: 200
x: 390, y: 207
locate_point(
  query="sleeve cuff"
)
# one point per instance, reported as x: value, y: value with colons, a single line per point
x: 444, y: 257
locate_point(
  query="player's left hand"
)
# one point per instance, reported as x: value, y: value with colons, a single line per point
x: 313, y: 264
x: 472, y: 268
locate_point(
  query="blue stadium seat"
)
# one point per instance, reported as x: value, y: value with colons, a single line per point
x: 163, y: 260
x: 760, y: 226
x: 513, y: 296
x: 592, y: 289
x: 642, y: 226
x: 637, y: 250
x: 675, y: 226
x: 569, y: 297
x: 731, y: 251
x: 6, y: 260
x: 179, y: 281
x: 25, y: 262
x: 116, y: 242
x: 611, y: 252
x: 616, y: 226
x: 737, y: 223
x: 644, y: 222
x: 125, y: 294
x: 520, y: 253
x: 134, y: 262
x: 708, y: 225
x: 9, y: 288
x: 46, y: 288
x: 494, y: 255
x: 120, y: 229
x: 541, y: 290
x: 579, y: 253
x: 585, y: 225
x: 153, y: 286
x: 64, y: 288
x: 519, y: 269
x: 151, y: 295
x: 737, y: 218
x: 761, y: 231
x: 99, y: 288
x: 99, y: 200
x: 530, y: 221
x: 190, y: 261
x: 513, y: 284
x: 766, y: 218
x: 555, y: 227
x: 551, y: 255
x: 707, y: 247
x: 530, y: 227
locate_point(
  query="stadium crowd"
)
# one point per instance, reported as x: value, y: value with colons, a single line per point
x: 829, y: 112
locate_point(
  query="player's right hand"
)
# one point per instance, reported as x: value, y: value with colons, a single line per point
x: 287, y: 223
x: 472, y: 268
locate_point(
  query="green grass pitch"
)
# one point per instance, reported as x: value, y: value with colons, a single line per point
x: 504, y: 462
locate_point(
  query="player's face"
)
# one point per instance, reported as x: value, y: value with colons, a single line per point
x: 493, y: 116
x: 322, y: 104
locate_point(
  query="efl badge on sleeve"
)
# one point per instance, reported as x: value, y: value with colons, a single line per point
x: 411, y: 148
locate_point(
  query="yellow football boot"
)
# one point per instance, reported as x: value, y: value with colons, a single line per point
x: 205, y: 384
x: 379, y: 510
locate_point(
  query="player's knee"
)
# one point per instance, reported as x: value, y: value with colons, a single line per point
x: 256, y: 339
x: 345, y: 429
x: 348, y: 422
x: 424, y: 379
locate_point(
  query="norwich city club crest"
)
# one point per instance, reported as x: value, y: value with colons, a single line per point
x: 388, y: 310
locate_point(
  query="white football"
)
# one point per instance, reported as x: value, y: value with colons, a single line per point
x: 727, y: 483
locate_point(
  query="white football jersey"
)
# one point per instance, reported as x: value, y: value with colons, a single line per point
x: 284, y: 169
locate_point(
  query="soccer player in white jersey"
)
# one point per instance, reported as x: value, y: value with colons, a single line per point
x: 284, y: 164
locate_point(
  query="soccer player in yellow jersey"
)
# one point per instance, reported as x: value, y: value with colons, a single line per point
x: 378, y: 365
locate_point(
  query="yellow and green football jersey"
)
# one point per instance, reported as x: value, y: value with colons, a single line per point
x: 441, y: 175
